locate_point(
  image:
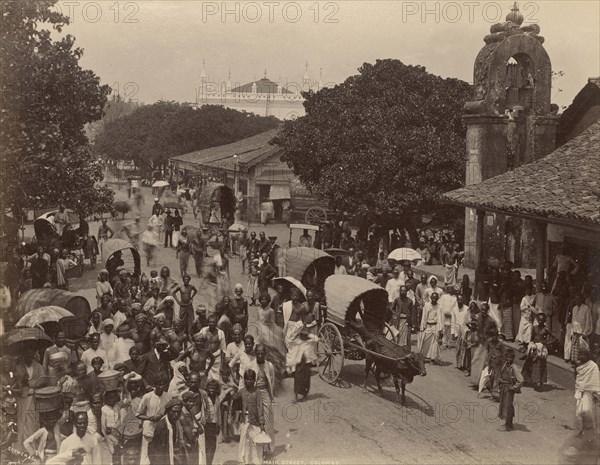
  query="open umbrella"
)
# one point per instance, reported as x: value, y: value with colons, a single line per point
x: 238, y: 227
x: 404, y: 253
x: 20, y: 338
x: 335, y: 252
x: 51, y: 313
x: 174, y: 205
x: 288, y: 283
x: 160, y: 184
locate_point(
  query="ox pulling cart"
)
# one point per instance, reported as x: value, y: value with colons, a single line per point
x: 355, y: 327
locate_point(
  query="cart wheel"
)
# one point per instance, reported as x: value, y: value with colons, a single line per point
x: 388, y: 333
x: 330, y: 353
x: 315, y: 215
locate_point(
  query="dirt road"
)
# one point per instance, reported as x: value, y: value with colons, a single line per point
x: 443, y: 421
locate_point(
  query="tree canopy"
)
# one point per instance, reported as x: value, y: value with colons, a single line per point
x: 47, y: 100
x: 383, y: 144
x: 116, y: 107
x: 152, y: 134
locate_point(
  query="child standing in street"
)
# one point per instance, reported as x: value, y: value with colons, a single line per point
x: 510, y: 383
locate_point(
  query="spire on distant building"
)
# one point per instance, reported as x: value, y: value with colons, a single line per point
x: 203, y: 73
x: 228, y: 83
x: 265, y: 73
x: 306, y: 78
x: 320, y: 78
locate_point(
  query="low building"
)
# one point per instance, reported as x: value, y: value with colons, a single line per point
x: 252, y: 167
x: 560, y: 193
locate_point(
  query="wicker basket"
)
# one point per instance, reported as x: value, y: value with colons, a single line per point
x: 110, y: 380
x: 48, y: 398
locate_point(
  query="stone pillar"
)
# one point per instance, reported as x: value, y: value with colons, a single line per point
x: 541, y: 230
x: 540, y: 137
x: 541, y: 141
x: 479, y: 226
x: 486, y: 158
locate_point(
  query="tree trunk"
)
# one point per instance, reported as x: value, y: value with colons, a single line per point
x: 385, y: 239
x: 412, y: 231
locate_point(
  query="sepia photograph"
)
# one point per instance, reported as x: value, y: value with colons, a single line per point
x: 301, y: 232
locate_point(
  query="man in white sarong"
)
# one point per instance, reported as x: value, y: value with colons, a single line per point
x: 587, y: 386
x: 216, y: 344
x: 448, y: 304
x: 432, y: 323
x: 294, y: 314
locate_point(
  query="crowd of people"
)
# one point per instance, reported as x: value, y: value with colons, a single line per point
x: 159, y: 378
x: 481, y: 329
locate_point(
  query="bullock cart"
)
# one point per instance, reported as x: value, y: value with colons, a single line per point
x: 355, y: 327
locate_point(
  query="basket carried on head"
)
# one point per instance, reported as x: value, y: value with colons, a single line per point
x: 47, y: 394
x: 110, y: 380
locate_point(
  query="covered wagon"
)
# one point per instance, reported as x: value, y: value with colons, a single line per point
x: 216, y: 203
x: 74, y: 327
x: 308, y: 265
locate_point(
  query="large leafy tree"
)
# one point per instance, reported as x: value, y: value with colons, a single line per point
x: 383, y: 144
x: 152, y: 134
x: 47, y: 99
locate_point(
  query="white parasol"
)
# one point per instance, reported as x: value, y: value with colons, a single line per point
x: 404, y: 253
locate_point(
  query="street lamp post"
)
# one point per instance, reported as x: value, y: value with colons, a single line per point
x: 236, y: 175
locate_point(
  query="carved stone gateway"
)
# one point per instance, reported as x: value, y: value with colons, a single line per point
x: 510, y: 122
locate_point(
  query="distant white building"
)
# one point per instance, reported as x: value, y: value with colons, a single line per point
x: 262, y: 97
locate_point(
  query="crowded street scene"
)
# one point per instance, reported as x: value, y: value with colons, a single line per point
x: 378, y: 266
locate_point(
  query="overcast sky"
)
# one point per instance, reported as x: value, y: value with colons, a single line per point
x: 154, y: 50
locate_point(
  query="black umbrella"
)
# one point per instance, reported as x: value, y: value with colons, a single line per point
x: 173, y: 205
x: 335, y: 252
x: 21, y: 338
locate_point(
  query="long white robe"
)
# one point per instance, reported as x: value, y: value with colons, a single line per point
x: 432, y: 322
x: 587, y: 384
x: 527, y: 307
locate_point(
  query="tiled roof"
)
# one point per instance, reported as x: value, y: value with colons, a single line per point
x: 249, y: 151
x: 564, y: 185
x: 263, y: 86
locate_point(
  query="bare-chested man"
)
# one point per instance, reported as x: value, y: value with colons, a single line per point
x: 168, y: 284
x: 185, y: 300
x: 141, y: 333
x: 179, y: 338
x: 450, y: 260
x: 201, y: 358
x: 216, y: 344
x: 294, y: 314
x: 175, y: 340
x: 160, y: 322
x: 294, y: 310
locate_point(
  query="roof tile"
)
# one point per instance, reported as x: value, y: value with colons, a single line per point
x: 559, y: 185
